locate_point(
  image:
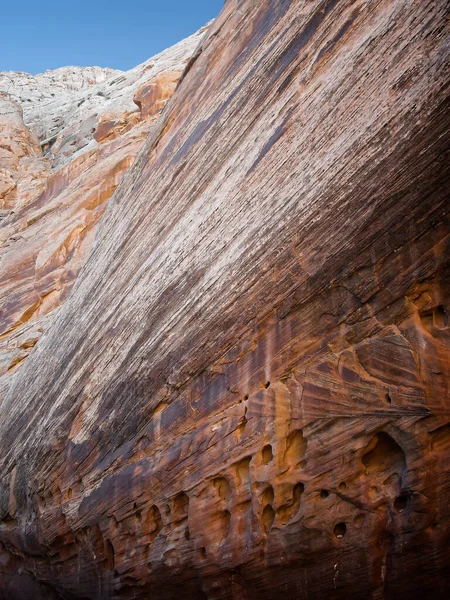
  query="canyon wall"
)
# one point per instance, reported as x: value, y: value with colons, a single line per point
x: 246, y: 393
x: 67, y: 138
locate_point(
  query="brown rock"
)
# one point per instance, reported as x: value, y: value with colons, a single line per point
x: 246, y: 395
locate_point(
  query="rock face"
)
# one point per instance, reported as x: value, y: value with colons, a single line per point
x: 91, y: 124
x: 246, y: 394
x: 23, y: 170
x: 49, y: 98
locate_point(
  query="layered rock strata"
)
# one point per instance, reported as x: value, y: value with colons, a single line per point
x: 62, y: 155
x: 246, y: 394
x: 23, y: 169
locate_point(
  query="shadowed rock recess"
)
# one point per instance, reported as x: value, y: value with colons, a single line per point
x: 246, y: 393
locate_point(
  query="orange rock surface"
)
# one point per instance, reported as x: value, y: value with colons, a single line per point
x: 247, y: 393
x: 23, y: 170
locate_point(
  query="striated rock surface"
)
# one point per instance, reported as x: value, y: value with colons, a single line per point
x: 64, y: 107
x: 53, y: 193
x: 246, y: 394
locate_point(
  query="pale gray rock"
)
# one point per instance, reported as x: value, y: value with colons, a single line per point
x: 63, y: 107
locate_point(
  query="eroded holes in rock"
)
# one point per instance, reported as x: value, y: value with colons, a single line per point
x: 342, y: 486
x: 400, y: 503
x: 268, y: 517
x: 243, y: 471
x: 324, y: 493
x: 295, y: 449
x: 436, y: 318
x: 69, y: 494
x: 110, y: 554
x: 266, y: 454
x: 340, y: 530
x: 427, y: 320
x: 217, y: 495
x: 223, y: 488
x: 180, y: 507
x: 153, y: 522
x: 440, y: 317
x: 388, y: 399
x: 267, y: 385
x: 187, y: 534
x: 299, y: 488
x: 383, y: 454
x: 268, y: 495
x: 9, y: 521
x: 202, y: 553
x: 287, y: 511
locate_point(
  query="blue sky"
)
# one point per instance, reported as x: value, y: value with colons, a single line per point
x: 36, y: 35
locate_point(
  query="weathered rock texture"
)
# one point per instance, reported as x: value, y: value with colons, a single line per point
x: 50, y: 99
x: 91, y: 124
x: 23, y: 169
x: 246, y: 394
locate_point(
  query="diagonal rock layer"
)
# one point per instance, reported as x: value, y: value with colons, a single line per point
x: 246, y: 394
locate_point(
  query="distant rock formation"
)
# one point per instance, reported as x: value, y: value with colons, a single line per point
x: 246, y: 394
x: 48, y: 99
x: 23, y: 170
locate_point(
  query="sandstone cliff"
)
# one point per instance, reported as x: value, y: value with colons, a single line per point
x: 246, y: 394
x: 67, y: 138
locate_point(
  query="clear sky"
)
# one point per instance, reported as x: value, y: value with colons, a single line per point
x: 36, y: 35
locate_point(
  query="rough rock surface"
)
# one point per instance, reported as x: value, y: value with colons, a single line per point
x: 53, y: 193
x: 246, y: 394
x: 49, y: 100
x: 64, y: 107
x: 23, y: 170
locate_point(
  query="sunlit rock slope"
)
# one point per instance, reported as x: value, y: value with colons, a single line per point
x: 246, y: 394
